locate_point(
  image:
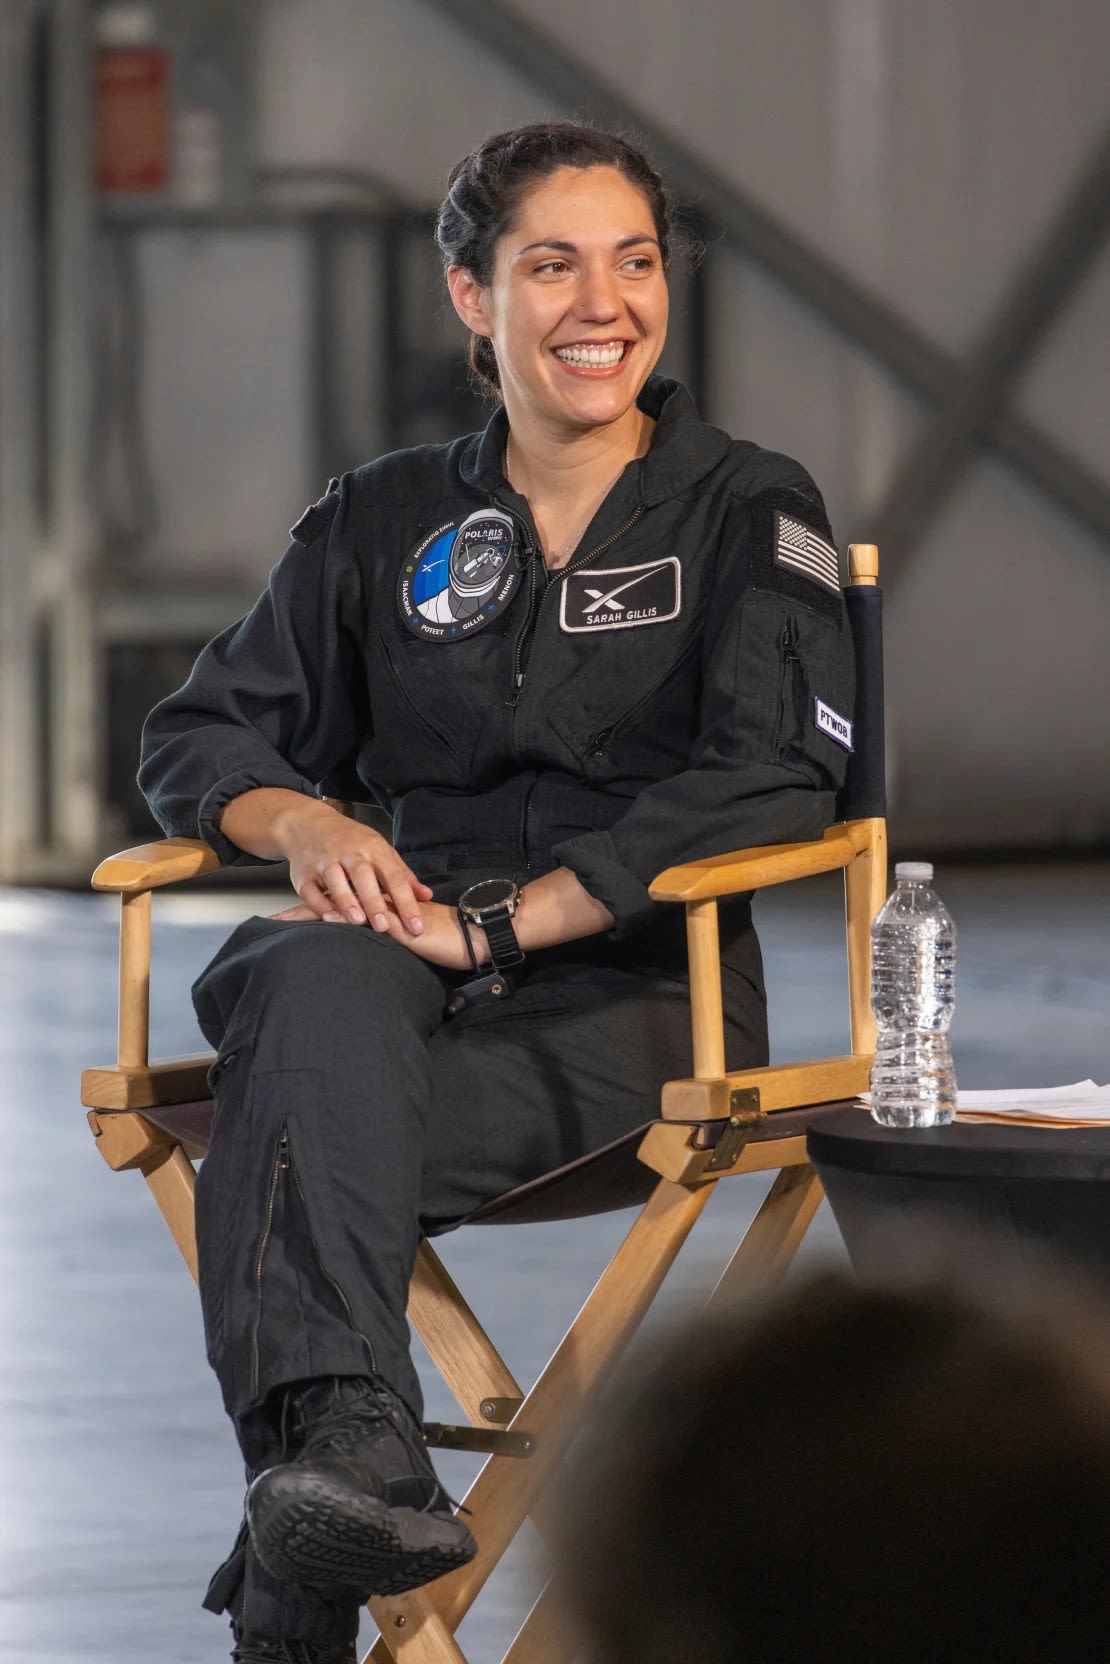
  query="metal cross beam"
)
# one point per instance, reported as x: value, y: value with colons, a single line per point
x: 801, y: 267
x: 992, y: 370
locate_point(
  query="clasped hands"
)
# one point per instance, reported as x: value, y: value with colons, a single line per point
x: 346, y: 873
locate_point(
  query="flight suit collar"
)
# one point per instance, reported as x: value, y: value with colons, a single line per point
x: 684, y: 450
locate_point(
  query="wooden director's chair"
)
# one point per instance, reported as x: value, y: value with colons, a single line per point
x: 155, y: 1117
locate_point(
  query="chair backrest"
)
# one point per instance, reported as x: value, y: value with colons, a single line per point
x: 863, y: 794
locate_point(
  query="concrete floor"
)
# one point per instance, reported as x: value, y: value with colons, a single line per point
x: 120, y: 1478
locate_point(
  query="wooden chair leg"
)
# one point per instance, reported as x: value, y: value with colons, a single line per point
x: 172, y: 1179
x: 864, y: 894
x: 774, y: 1236
x: 504, y: 1491
x: 459, y: 1346
x: 544, y: 1637
x: 416, y: 1635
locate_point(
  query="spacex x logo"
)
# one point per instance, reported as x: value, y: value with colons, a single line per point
x: 621, y: 597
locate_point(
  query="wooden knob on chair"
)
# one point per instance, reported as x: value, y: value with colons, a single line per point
x: 863, y: 563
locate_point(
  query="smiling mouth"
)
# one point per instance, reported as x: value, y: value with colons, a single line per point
x: 592, y: 355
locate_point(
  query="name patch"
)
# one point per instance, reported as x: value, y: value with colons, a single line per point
x: 460, y: 577
x: 837, y: 727
x: 621, y: 597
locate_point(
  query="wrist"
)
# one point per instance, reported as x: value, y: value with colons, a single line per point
x: 290, y: 820
x: 477, y: 939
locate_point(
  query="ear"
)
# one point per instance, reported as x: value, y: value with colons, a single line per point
x: 469, y: 299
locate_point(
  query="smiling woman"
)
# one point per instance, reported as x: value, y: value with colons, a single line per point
x: 565, y: 653
x: 556, y: 240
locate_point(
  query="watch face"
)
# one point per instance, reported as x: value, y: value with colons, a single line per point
x: 490, y: 893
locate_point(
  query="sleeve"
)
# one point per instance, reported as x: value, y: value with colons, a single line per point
x: 777, y: 702
x: 276, y: 700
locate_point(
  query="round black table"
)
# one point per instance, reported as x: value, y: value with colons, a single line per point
x: 1032, y: 1187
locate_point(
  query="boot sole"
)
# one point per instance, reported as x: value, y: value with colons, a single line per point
x: 308, y: 1531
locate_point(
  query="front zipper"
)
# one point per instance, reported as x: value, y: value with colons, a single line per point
x: 520, y: 668
x: 283, y: 1164
x: 524, y: 840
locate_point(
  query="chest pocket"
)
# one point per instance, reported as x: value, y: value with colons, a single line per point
x: 633, y: 705
x: 436, y: 695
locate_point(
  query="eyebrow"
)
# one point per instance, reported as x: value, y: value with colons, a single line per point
x: 572, y: 248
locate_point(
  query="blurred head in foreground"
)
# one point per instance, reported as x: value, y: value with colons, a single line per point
x: 855, y: 1475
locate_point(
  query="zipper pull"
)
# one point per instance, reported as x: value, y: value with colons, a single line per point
x: 788, y: 649
x: 518, y: 680
x: 283, y: 1150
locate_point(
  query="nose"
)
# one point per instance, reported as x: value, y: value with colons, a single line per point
x: 597, y: 300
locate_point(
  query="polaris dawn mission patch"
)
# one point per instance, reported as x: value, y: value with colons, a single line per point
x: 460, y: 577
x: 621, y: 597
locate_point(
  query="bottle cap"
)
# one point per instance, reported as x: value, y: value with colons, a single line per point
x: 922, y: 871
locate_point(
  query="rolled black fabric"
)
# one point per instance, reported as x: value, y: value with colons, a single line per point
x: 864, y: 791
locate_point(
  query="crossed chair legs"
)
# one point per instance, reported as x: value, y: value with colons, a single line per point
x: 419, y: 1627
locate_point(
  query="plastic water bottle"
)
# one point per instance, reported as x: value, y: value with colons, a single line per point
x: 913, y: 992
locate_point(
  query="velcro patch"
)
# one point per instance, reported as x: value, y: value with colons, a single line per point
x: 621, y: 597
x: 317, y: 517
x: 837, y: 727
x: 802, y: 550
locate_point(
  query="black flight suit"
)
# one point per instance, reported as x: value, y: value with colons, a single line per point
x: 659, y: 698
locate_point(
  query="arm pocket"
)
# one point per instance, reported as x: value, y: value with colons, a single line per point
x: 816, y: 698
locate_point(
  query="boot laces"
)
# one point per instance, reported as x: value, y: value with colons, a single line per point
x: 344, y: 1421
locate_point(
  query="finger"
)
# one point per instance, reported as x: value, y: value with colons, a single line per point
x: 374, y: 905
x: 344, y: 902
x: 300, y: 911
x: 398, y: 881
x: 396, y: 872
x: 315, y: 898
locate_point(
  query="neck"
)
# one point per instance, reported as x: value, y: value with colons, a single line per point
x: 569, y: 468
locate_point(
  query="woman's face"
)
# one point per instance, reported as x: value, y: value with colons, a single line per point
x: 577, y: 303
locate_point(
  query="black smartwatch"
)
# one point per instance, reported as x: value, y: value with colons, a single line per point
x: 491, y: 905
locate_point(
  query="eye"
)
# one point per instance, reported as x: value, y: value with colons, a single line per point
x: 639, y: 264
x: 553, y: 268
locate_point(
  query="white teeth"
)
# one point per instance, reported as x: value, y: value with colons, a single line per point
x: 602, y: 357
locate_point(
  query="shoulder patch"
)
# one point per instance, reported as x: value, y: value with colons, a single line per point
x: 792, y: 552
x: 801, y: 549
x: 317, y: 517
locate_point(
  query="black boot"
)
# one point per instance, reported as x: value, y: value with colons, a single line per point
x: 359, y: 1505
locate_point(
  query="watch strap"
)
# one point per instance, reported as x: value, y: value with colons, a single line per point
x: 503, y: 945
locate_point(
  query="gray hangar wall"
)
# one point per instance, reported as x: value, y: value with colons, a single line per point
x: 922, y: 148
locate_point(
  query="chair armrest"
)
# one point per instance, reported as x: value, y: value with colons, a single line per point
x: 755, y: 869
x: 147, y: 866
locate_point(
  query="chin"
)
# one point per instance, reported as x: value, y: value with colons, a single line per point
x: 598, y: 406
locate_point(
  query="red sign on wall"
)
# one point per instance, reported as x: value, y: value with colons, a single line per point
x: 132, y: 119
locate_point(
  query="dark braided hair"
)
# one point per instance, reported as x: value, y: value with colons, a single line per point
x: 486, y: 188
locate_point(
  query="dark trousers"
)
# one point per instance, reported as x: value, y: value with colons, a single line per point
x: 350, y: 1118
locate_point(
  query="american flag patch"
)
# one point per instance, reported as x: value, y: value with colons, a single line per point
x: 802, y: 550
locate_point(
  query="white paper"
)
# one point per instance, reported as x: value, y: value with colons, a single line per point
x: 1083, y: 1100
